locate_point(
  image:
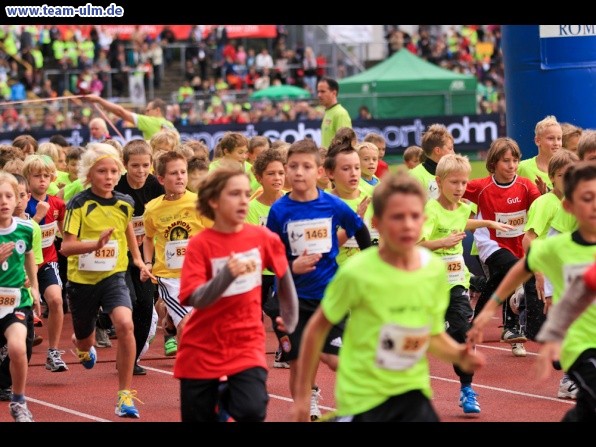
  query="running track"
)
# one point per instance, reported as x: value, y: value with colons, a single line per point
x: 507, y: 391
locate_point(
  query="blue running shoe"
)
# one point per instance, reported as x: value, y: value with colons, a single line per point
x: 87, y: 358
x: 126, y: 406
x: 467, y: 400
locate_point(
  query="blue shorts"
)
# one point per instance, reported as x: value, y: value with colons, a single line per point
x: 48, y: 275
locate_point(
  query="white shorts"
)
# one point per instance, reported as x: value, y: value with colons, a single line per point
x: 169, y: 289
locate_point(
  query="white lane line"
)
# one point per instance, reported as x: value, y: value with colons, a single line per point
x: 274, y: 396
x: 502, y: 349
x: 67, y: 410
x: 504, y: 390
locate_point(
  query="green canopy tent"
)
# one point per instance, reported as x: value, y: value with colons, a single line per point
x: 281, y: 92
x: 406, y: 86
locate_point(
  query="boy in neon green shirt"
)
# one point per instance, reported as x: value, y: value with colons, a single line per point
x: 562, y: 258
x: 383, y: 372
x: 548, y: 136
x: 447, y: 218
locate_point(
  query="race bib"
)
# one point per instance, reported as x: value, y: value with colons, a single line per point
x: 401, y: 347
x: 102, y: 260
x: 48, y: 234
x: 174, y: 255
x: 10, y: 298
x: 249, y: 280
x: 456, y: 268
x: 517, y: 219
x: 138, y: 225
x: 312, y: 235
x: 263, y: 221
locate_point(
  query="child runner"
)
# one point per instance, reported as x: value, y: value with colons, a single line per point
x: 538, y: 290
x: 447, y: 219
x: 369, y: 159
x: 98, y: 233
x: 15, y: 309
x: 221, y: 279
x: 436, y: 142
x: 307, y: 220
x: 413, y: 156
x: 48, y: 211
x: 32, y: 339
x: 198, y: 168
x: 548, y: 136
x: 170, y: 220
x: 383, y: 372
x: 379, y: 141
x: 576, y: 306
x: 505, y: 197
x: 562, y: 258
x: 143, y: 187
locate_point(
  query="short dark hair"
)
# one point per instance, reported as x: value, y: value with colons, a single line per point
x: 332, y: 83
x: 59, y: 140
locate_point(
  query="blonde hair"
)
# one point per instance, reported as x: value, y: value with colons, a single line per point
x: 39, y: 163
x: 453, y: 163
x: 185, y: 151
x: 94, y: 153
x: 116, y: 145
x: 164, y: 140
x: 367, y: 145
x: 543, y: 124
x: 14, y: 166
x: 7, y: 177
x: 50, y: 149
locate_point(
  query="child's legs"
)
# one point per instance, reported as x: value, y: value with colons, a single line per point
x: 141, y: 295
x: 583, y: 373
x: 169, y: 289
x: 198, y: 399
x: 50, y: 285
x: 84, y: 302
x: 16, y: 340
x: 533, y: 310
x: 330, y: 350
x: 116, y: 302
x: 247, y: 397
x: 457, y: 318
x: 5, y: 378
x: 498, y: 265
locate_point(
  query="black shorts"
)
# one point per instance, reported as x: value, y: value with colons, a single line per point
x: 86, y: 299
x: 291, y: 343
x: 17, y: 316
x: 244, y: 396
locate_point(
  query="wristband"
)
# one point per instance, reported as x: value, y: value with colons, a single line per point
x: 496, y: 298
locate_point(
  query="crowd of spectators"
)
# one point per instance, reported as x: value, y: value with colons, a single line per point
x: 218, y: 74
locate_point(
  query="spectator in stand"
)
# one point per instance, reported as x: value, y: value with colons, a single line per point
x: 166, y: 38
x: 309, y: 67
x: 263, y: 61
x: 364, y: 113
x: 98, y: 130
